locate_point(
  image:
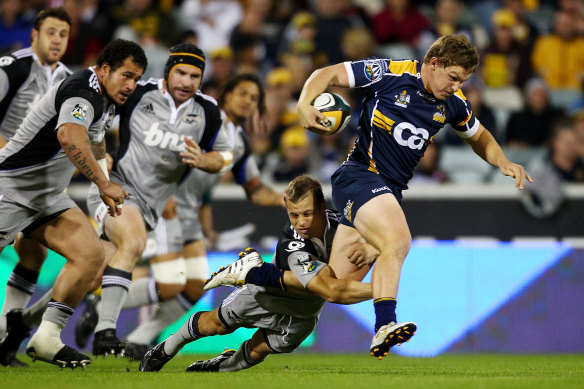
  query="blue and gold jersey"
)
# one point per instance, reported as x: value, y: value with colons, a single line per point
x: 400, y: 117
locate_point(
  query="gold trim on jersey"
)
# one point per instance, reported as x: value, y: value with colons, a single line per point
x: 382, y: 121
x: 465, y: 120
x: 401, y: 67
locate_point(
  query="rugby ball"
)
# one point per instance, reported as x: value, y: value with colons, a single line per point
x: 336, y: 110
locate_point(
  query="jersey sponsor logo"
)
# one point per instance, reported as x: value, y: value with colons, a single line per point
x: 372, y: 70
x: 7, y: 60
x: 80, y: 112
x: 155, y: 137
x: 294, y: 246
x: 417, y: 136
x: 439, y: 116
x: 376, y: 190
x: 403, y: 99
x: 148, y: 108
x: 348, y: 210
x: 426, y: 96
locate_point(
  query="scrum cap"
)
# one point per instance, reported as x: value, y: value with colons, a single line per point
x: 184, y: 54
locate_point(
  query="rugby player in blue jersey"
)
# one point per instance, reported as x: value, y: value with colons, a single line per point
x: 406, y: 103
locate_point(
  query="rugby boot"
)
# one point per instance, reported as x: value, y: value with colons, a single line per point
x: 135, y: 351
x: 234, y: 274
x: 88, y: 320
x: 106, y: 342
x: 52, y: 350
x: 211, y: 365
x: 389, y: 335
x: 16, y: 333
x: 154, y: 359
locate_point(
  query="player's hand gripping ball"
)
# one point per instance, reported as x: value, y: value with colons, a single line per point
x: 336, y: 110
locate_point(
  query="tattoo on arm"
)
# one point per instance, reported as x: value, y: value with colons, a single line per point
x: 79, y: 160
x: 98, y: 149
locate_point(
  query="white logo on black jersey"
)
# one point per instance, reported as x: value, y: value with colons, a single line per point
x: 94, y: 82
x: 294, y: 245
x: 5, y: 61
x: 148, y: 108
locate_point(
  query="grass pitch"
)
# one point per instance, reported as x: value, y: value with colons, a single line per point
x: 323, y: 371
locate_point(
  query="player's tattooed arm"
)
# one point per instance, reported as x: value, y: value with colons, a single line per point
x: 98, y: 149
x: 75, y: 142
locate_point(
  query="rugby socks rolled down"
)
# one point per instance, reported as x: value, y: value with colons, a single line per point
x: 19, y: 290
x: 267, y: 274
x: 189, y: 332
x: 384, y: 311
x: 114, y: 290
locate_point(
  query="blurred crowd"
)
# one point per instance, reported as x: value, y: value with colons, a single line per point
x: 529, y: 89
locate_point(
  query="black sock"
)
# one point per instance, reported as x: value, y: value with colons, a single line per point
x: 384, y: 311
x: 267, y: 274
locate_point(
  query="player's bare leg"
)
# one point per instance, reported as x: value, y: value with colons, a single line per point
x: 382, y: 223
x: 72, y: 236
x: 128, y: 233
x: 345, y: 238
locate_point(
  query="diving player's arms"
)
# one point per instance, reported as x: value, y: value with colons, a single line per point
x: 211, y: 162
x: 259, y: 193
x: 327, y: 286
x: 76, y: 144
x: 486, y: 147
x: 319, y: 80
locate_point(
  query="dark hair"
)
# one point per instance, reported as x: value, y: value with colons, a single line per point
x: 57, y: 13
x: 454, y: 50
x: 116, y: 52
x: 299, y: 187
x: 184, y: 54
x: 233, y: 82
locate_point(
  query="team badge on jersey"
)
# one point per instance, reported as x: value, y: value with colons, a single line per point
x: 373, y: 70
x: 309, y: 265
x: 80, y: 112
x: 192, y: 118
x: 403, y: 99
x: 440, y: 116
x: 7, y: 60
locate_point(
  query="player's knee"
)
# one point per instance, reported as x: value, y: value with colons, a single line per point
x: 133, y: 245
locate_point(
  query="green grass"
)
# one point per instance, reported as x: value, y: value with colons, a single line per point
x: 323, y: 371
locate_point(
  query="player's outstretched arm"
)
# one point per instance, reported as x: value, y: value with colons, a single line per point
x: 485, y: 146
x: 261, y: 194
x: 327, y: 286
